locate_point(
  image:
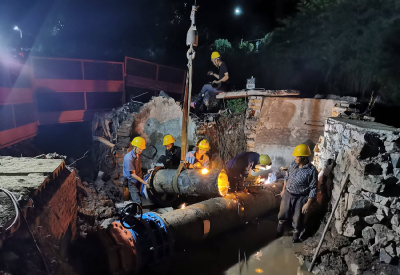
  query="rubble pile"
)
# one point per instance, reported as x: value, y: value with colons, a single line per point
x: 115, y: 130
x: 94, y: 207
x: 369, y: 209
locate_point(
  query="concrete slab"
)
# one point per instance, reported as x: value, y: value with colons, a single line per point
x: 22, y: 185
x: 26, y: 176
x: 247, y: 93
x: 11, y: 165
x: 371, y: 126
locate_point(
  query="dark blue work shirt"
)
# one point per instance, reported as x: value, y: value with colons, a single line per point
x: 242, y: 161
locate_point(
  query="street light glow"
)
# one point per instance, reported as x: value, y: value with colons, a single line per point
x: 18, y: 29
x: 238, y: 11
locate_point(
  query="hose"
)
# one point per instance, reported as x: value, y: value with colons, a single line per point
x: 15, y: 203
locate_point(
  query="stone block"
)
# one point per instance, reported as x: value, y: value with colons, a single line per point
x: 391, y: 147
x: 372, y: 219
x: 359, y: 244
x: 391, y: 250
x: 359, y: 206
x: 383, y: 235
x: 384, y: 256
x: 395, y: 220
x: 353, y: 227
x: 395, y: 159
x: 368, y: 233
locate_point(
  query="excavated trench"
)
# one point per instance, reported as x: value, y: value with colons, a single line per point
x: 369, y: 209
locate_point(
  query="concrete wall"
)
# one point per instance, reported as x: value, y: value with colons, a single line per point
x: 287, y: 122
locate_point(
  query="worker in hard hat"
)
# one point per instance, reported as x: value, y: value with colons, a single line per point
x: 299, y: 191
x: 172, y: 156
x: 240, y: 166
x: 265, y: 171
x: 199, y: 159
x: 221, y: 84
x: 132, y: 168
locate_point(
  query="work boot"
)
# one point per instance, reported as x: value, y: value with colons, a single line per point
x: 296, y: 237
x: 279, y: 230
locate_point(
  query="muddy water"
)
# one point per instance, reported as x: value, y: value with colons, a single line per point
x: 245, y: 251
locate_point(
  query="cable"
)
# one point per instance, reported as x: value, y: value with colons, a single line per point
x: 15, y: 203
x: 27, y: 225
x: 84, y: 156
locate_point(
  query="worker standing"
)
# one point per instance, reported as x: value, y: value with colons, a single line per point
x: 199, y: 159
x: 298, y: 193
x: 132, y: 168
x: 172, y: 156
x: 222, y: 84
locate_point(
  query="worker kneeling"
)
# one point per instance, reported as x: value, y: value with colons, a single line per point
x: 198, y: 159
x: 172, y: 156
x: 222, y: 84
x: 242, y: 165
x: 132, y: 168
x: 298, y: 193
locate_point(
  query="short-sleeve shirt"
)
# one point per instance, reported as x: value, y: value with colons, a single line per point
x: 204, y: 159
x: 132, y: 163
x: 223, y: 68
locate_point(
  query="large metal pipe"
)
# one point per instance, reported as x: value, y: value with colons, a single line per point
x: 193, y: 182
x: 151, y: 239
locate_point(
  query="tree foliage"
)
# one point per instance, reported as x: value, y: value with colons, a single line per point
x: 351, y: 45
x: 246, y: 47
x: 223, y: 46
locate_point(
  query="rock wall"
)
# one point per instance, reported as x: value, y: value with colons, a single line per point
x: 369, y: 209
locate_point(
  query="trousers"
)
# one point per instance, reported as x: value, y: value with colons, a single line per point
x: 205, y: 94
x: 134, y: 191
x: 291, y: 209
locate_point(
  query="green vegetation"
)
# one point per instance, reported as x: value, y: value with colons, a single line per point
x: 236, y: 106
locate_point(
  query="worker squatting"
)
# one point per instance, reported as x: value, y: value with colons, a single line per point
x: 298, y: 194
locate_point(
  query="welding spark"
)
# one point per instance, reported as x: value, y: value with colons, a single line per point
x: 204, y: 171
x: 183, y: 206
x: 259, y: 270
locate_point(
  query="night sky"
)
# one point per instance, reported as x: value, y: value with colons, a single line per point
x: 147, y: 29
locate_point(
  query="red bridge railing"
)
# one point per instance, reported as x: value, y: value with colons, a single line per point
x: 58, y: 90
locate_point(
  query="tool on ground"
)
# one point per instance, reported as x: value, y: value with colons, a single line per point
x: 344, y: 183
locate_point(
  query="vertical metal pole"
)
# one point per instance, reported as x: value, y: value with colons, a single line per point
x: 192, y: 41
x: 185, y: 118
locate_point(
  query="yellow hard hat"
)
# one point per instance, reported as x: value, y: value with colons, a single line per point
x: 302, y: 150
x: 215, y: 55
x: 203, y: 144
x: 168, y: 139
x: 265, y: 160
x: 139, y: 142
